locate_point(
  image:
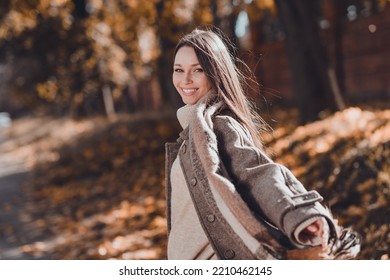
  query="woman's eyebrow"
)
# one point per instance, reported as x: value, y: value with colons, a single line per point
x: 196, y: 64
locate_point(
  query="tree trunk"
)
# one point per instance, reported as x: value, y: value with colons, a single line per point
x: 165, y: 64
x: 80, y: 10
x: 308, y: 59
x: 337, y: 30
x: 108, y: 101
x: 214, y: 11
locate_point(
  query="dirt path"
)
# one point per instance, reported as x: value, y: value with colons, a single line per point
x: 16, y: 229
x: 12, y: 178
x: 10, y: 220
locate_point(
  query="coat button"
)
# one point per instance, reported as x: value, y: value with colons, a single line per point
x: 184, y: 148
x: 229, y: 254
x: 211, y: 218
x: 194, y: 181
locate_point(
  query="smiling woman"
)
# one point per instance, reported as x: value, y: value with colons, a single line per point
x: 226, y: 199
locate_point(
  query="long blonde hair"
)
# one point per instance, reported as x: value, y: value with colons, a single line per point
x: 225, y: 77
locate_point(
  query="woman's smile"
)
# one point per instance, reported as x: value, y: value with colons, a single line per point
x: 189, y: 91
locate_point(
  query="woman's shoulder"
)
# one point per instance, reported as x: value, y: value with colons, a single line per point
x: 225, y: 113
x: 227, y: 122
x: 225, y: 117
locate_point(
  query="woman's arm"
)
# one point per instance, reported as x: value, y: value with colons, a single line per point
x: 270, y: 188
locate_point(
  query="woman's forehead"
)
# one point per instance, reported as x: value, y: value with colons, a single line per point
x: 186, y: 56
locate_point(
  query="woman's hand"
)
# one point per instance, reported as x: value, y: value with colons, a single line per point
x: 314, y: 231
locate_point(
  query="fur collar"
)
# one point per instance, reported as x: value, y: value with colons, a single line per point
x: 185, y: 114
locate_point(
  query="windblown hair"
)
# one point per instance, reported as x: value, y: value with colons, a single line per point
x: 226, y: 79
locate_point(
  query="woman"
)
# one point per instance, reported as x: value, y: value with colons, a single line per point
x: 225, y: 198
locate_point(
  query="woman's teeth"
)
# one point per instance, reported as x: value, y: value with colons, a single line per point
x: 189, y: 91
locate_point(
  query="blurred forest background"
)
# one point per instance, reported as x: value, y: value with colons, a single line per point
x: 87, y: 103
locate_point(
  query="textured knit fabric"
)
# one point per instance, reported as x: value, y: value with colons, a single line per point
x: 187, y: 240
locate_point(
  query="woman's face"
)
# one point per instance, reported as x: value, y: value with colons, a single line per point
x: 188, y: 76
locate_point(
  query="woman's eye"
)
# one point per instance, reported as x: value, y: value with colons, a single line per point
x: 198, y: 70
x: 178, y: 70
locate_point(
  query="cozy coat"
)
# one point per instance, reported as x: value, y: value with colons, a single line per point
x: 219, y: 160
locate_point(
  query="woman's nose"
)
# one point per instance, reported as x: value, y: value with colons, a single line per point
x: 187, y: 78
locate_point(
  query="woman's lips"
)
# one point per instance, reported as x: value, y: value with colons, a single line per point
x: 189, y: 91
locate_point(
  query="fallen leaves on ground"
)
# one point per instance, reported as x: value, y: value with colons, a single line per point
x: 103, y: 197
x: 98, y: 186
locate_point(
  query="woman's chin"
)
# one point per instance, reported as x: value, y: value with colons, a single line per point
x: 189, y: 100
